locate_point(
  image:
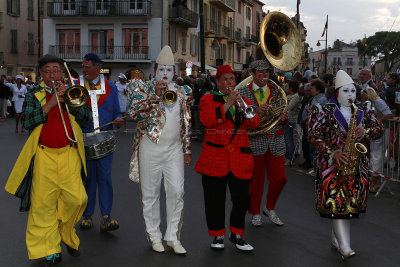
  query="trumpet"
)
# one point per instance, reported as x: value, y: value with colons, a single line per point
x: 248, y: 112
x: 169, y: 97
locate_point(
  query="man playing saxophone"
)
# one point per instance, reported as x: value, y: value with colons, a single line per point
x: 161, y: 148
x: 337, y: 131
x: 54, y: 164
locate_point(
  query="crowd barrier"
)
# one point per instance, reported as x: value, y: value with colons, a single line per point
x: 389, y: 164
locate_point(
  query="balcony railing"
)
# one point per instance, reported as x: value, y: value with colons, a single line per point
x: 227, y: 32
x: 238, y: 36
x: 225, y: 5
x: 105, y: 52
x: 210, y: 26
x: 254, y: 39
x: 183, y: 16
x: 98, y: 8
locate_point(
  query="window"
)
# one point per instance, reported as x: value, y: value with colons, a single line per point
x: 184, y: 42
x: 14, y: 43
x: 247, y: 33
x: 102, y: 42
x: 69, y: 5
x: 173, y: 38
x: 240, y: 6
x: 223, y: 52
x: 69, y: 41
x: 247, y: 57
x: 248, y: 13
x: 194, y: 44
x: 230, y: 53
x: 238, y: 55
x: 350, y: 71
x: 30, y: 10
x: 349, y: 61
x: 135, y: 40
x: 136, y: 4
x: 30, y: 43
x: 13, y: 7
x: 205, y: 12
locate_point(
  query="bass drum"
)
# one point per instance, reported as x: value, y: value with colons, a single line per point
x: 99, y: 145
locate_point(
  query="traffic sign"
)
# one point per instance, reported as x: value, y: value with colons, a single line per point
x: 189, y: 64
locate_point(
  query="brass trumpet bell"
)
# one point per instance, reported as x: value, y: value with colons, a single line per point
x: 76, y: 96
x: 280, y: 41
x: 169, y: 97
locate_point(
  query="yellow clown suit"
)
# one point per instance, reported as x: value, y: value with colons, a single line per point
x: 48, y: 173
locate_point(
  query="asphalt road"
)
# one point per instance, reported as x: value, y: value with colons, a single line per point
x: 304, y: 240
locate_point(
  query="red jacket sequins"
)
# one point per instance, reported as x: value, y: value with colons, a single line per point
x: 220, y: 153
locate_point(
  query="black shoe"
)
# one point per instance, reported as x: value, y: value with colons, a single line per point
x: 239, y: 242
x: 218, y: 242
x: 51, y: 260
x: 73, y: 252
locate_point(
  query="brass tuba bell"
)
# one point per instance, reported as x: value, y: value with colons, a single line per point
x: 280, y: 41
x: 280, y: 44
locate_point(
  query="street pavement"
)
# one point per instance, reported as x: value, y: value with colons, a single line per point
x: 304, y: 240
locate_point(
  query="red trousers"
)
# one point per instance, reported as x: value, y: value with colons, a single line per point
x: 275, y: 167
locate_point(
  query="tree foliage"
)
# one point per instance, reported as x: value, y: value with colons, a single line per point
x: 382, y: 46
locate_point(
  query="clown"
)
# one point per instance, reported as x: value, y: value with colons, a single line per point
x: 225, y: 159
x: 341, y: 197
x: 105, y: 106
x: 268, y: 149
x: 161, y: 149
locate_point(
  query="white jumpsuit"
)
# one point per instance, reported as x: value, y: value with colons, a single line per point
x: 163, y: 160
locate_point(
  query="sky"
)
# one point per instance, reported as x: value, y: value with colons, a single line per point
x: 348, y: 20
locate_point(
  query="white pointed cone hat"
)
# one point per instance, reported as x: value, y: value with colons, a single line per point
x: 166, y: 57
x: 342, y: 78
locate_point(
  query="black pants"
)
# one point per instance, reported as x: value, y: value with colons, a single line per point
x: 214, y: 199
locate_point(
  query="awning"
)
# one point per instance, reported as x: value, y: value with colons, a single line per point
x: 208, y: 67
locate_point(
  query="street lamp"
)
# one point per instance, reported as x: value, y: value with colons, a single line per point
x: 326, y: 52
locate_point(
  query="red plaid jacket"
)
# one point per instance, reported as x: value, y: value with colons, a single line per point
x: 226, y: 144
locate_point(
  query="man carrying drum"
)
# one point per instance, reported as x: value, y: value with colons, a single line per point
x: 105, y: 106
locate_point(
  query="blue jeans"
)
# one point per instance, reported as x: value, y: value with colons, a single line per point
x: 289, y: 140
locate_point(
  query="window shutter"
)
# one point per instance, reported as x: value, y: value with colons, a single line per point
x: 9, y: 6
x: 18, y: 7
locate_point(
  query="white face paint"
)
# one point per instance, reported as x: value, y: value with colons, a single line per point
x: 165, y: 73
x: 346, y: 92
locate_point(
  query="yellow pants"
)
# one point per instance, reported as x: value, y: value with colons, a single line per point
x: 58, y: 200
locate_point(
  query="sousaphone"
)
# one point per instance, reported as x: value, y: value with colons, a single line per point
x: 280, y: 44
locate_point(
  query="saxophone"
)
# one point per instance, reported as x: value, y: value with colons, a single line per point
x: 352, y: 148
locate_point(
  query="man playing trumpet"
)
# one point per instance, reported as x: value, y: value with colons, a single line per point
x: 268, y: 149
x: 226, y: 159
x: 53, y: 164
x: 161, y: 149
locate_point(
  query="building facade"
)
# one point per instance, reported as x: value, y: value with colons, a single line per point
x: 19, y: 42
x: 341, y: 56
x: 119, y: 31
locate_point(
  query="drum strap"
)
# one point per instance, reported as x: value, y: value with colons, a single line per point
x: 93, y: 100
